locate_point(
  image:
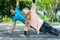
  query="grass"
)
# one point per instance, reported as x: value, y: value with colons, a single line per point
x: 19, y: 22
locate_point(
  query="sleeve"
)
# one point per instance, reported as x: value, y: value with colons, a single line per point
x: 17, y: 9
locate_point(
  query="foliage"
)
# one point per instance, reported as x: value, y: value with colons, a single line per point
x: 50, y: 8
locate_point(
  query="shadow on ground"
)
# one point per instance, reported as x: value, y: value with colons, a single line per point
x: 16, y: 35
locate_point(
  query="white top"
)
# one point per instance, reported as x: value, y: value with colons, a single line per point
x: 35, y: 22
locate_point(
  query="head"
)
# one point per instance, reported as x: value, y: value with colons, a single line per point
x: 26, y: 10
x: 12, y: 11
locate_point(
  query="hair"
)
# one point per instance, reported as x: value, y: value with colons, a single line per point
x: 27, y: 9
x: 8, y: 11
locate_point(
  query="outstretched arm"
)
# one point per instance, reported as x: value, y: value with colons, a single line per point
x: 17, y: 2
x: 33, y: 5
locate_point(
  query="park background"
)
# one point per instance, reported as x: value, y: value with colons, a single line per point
x: 48, y: 10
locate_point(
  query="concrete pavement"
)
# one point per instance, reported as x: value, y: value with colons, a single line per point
x: 16, y: 35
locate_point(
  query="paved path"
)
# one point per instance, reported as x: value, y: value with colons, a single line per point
x: 16, y: 35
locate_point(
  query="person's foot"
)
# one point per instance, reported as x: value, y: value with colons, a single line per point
x: 59, y: 35
x: 10, y: 31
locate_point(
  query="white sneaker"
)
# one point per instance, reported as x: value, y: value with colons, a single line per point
x: 38, y: 32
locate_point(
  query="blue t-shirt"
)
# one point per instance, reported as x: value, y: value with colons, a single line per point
x: 19, y: 15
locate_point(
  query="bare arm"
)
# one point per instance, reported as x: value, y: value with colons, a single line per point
x: 17, y: 2
x: 28, y: 18
x: 13, y: 26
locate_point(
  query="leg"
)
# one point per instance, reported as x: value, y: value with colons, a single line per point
x: 46, y: 25
x: 48, y: 31
x: 47, y: 28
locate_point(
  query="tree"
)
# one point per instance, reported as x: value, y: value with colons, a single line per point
x: 50, y: 8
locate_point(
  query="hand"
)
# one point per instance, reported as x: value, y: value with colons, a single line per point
x: 9, y: 31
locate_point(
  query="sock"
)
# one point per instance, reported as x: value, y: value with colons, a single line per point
x: 25, y: 32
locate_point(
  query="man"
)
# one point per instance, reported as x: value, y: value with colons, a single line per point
x: 38, y: 24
